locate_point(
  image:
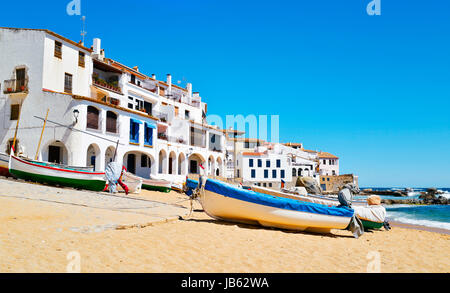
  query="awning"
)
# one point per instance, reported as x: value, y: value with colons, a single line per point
x: 150, y: 125
x: 135, y: 121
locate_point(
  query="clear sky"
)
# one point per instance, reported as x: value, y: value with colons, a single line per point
x: 373, y: 90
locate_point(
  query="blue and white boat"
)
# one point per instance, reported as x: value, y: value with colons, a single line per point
x: 226, y: 202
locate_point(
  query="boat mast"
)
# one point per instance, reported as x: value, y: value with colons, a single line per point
x: 42, y: 133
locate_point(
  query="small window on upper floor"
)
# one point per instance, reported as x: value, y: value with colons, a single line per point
x: 58, y: 49
x: 81, y: 59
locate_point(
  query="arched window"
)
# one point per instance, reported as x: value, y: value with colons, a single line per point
x: 92, y: 117
x: 111, y: 122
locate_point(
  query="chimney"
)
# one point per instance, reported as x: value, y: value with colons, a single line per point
x: 169, y: 82
x: 189, y: 89
x: 97, y: 46
x: 136, y: 68
x: 154, y: 76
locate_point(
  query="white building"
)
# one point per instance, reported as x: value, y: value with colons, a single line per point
x: 96, y: 103
x: 264, y: 167
x: 329, y: 164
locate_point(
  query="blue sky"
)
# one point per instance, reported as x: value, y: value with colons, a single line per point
x: 373, y: 90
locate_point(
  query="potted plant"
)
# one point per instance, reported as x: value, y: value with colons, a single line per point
x: 9, y: 90
x: 22, y: 88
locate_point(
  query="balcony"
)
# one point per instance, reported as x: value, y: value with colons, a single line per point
x: 111, y: 86
x: 163, y: 136
x: 15, y: 86
x: 110, y: 101
x: 179, y: 139
x: 162, y: 116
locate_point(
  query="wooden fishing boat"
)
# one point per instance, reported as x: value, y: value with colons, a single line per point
x: 372, y: 217
x: 227, y: 202
x: 4, y: 165
x: 154, y: 184
x: 56, y: 175
x: 133, y: 183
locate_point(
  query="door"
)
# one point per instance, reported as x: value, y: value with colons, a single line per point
x: 170, y: 165
x: 54, y: 154
x: 131, y: 163
x: 20, y: 80
x: 193, y: 167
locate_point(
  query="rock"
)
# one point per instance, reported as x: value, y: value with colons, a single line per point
x: 310, y: 184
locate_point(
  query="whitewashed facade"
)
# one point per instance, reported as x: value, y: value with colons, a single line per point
x: 96, y: 103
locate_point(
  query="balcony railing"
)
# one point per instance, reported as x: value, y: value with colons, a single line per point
x: 109, y: 86
x: 163, y: 136
x: 13, y: 86
x: 177, y: 140
x: 111, y: 101
x: 162, y: 116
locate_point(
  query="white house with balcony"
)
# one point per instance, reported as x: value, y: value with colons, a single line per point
x: 100, y: 109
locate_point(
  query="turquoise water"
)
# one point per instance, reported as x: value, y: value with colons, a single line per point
x: 436, y: 216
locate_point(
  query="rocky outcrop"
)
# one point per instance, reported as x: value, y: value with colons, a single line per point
x: 430, y: 197
x: 399, y: 193
x: 310, y: 184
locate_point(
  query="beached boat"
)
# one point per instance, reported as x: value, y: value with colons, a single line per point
x: 56, y: 175
x: 4, y: 164
x: 133, y: 183
x: 372, y: 217
x: 154, y: 184
x: 227, y: 202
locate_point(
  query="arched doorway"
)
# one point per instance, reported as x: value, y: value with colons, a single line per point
x: 194, y: 163
x: 211, y: 165
x: 162, y: 162
x: 93, y: 157
x: 181, y: 164
x: 172, y: 163
x: 140, y: 164
x: 109, y: 155
x: 219, y: 167
x: 56, y: 152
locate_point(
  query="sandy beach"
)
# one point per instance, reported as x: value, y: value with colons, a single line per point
x: 37, y: 236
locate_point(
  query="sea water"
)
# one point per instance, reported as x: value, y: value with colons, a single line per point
x: 436, y: 216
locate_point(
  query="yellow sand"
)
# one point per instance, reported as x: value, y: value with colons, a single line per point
x: 31, y: 240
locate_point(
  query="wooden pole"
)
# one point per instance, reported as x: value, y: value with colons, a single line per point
x: 15, y: 133
x: 115, y: 152
x: 42, y: 133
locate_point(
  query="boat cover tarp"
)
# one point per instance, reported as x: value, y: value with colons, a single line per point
x: 228, y: 190
x: 375, y: 214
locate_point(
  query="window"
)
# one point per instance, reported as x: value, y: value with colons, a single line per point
x: 294, y: 172
x: 238, y: 175
x: 186, y: 115
x: 268, y: 164
x: 274, y: 173
x: 68, y: 83
x: 259, y: 163
x: 328, y: 179
x: 134, y: 131
x: 323, y: 179
x: 111, y: 122
x: 130, y: 103
x: 330, y: 162
x: 92, y: 117
x: 133, y: 79
x: 15, y: 109
x: 81, y: 61
x: 58, y: 49
x: 266, y: 173
x: 250, y: 163
x: 278, y: 163
x: 324, y: 162
x: 247, y: 145
x: 270, y: 184
x: 253, y: 173
x: 282, y: 175
x: 148, y: 135
x: 265, y: 184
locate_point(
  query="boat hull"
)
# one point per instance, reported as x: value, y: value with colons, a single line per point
x: 156, y: 188
x: 4, y: 165
x: 56, y: 176
x: 253, y: 208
